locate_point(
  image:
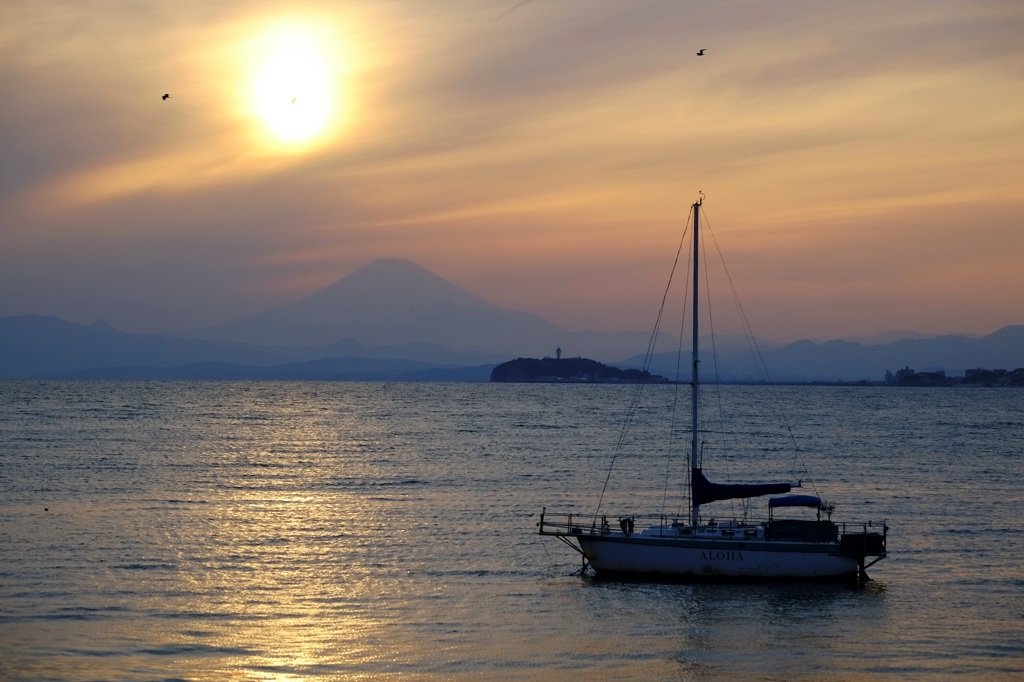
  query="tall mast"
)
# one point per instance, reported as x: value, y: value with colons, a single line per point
x: 694, y: 441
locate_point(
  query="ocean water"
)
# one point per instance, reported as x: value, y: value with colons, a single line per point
x: 276, y: 531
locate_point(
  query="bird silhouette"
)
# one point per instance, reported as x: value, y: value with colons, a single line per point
x: 700, y: 52
x: 165, y: 96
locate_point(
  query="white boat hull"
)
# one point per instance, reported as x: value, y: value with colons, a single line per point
x: 697, y: 558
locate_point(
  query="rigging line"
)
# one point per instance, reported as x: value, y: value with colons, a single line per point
x: 760, y: 364
x: 720, y: 431
x: 545, y: 546
x: 648, y: 358
x: 676, y: 395
x: 686, y: 478
x: 675, y: 392
x: 726, y: 444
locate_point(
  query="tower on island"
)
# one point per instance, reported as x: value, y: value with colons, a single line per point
x: 558, y: 353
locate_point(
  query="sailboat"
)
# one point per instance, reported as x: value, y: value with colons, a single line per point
x: 691, y: 547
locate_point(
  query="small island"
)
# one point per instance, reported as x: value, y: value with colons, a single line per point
x: 569, y: 371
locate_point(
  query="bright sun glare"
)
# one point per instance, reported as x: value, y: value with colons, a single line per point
x: 292, y: 87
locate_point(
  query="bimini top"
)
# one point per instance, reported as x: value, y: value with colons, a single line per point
x: 795, y: 501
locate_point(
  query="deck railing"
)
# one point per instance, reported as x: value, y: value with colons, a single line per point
x: 861, y: 539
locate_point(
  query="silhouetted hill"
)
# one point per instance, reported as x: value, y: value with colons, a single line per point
x: 848, y: 361
x: 327, y: 369
x: 33, y: 345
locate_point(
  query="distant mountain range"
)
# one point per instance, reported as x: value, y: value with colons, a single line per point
x: 848, y: 361
x: 394, y: 320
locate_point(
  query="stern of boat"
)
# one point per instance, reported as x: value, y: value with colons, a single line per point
x: 863, y: 544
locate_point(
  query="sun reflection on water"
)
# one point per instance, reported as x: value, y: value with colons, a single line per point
x: 278, y: 531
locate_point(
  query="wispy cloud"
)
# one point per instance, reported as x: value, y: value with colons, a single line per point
x: 563, y: 138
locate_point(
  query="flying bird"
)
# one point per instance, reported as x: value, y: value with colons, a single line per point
x: 700, y: 52
x: 165, y: 96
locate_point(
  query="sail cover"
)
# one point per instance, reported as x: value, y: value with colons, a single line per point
x: 705, y: 491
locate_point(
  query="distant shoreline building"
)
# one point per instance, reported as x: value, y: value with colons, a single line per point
x: 972, y: 377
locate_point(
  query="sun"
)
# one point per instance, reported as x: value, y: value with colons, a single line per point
x: 292, y: 90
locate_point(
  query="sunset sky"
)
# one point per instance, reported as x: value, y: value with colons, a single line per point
x: 863, y: 161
